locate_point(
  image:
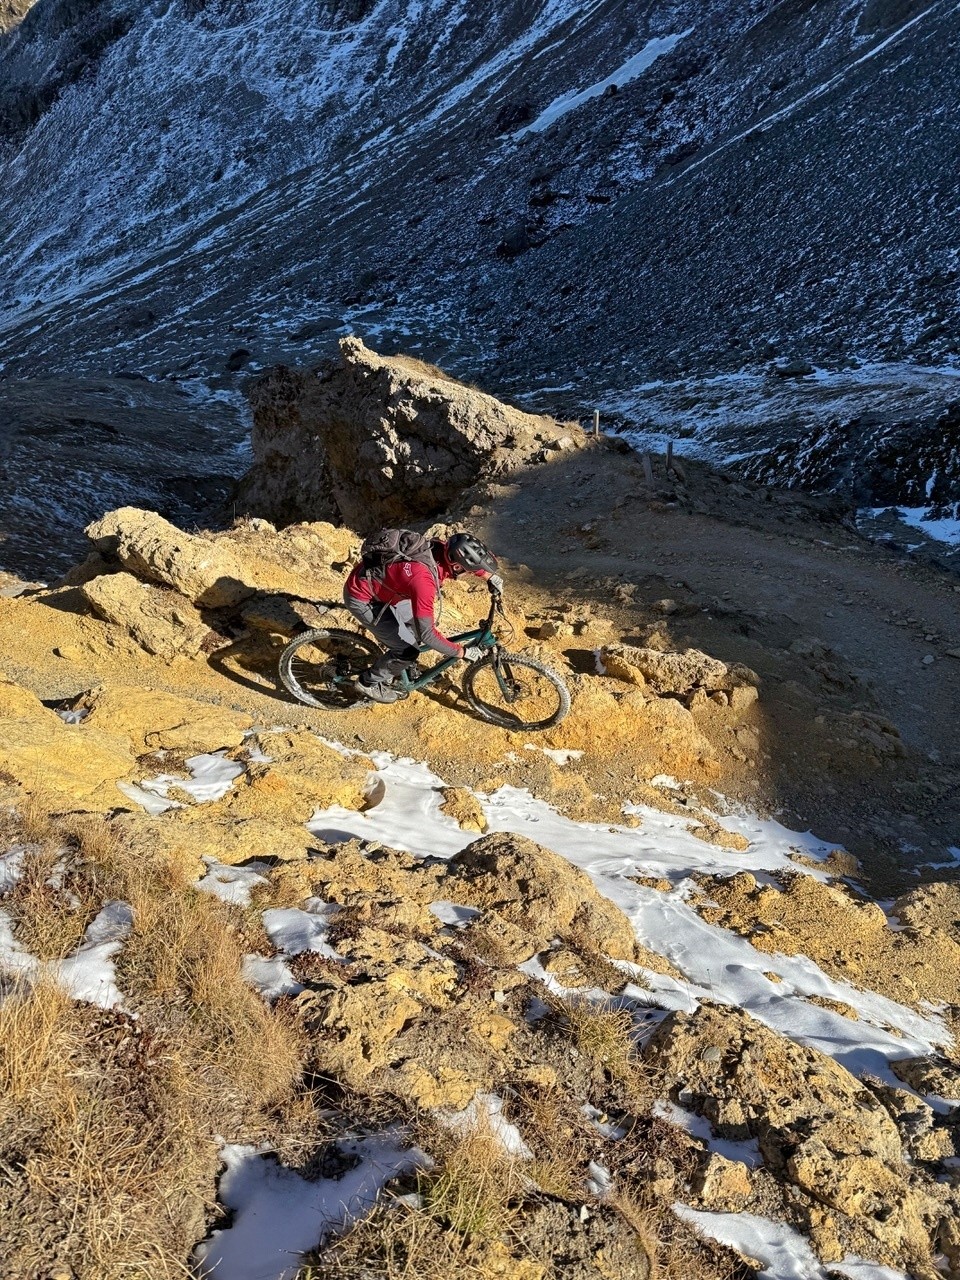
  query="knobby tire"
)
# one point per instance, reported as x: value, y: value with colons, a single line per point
x: 509, y: 715
x: 311, y: 681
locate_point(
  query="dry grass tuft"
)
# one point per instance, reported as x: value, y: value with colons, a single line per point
x: 108, y: 1122
x: 34, y: 811
x: 459, y: 1215
x: 605, y: 1037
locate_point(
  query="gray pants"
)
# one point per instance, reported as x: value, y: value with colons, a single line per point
x: 381, y: 622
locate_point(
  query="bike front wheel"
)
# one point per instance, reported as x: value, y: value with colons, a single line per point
x: 320, y: 667
x: 515, y: 692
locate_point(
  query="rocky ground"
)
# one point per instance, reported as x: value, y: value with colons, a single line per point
x: 542, y: 1019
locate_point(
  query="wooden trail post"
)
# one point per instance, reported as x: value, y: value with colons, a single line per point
x: 669, y: 457
x: 596, y: 422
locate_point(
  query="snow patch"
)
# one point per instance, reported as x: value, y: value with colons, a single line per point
x: 294, y: 930
x: 232, y: 884
x: 278, y: 1215
x: 626, y: 72
x: 484, y: 1113
x: 944, y: 529
x: 782, y: 1252
x: 89, y: 974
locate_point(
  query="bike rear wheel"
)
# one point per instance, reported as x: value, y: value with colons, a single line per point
x: 320, y: 667
x: 515, y: 692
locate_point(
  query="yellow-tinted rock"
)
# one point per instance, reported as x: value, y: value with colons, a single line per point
x: 446, y: 1087
x: 723, y: 1185
x: 302, y: 776
x: 186, y: 836
x: 153, y: 720
x: 162, y: 621
x: 17, y: 703
x: 70, y: 766
x: 539, y: 893
x: 207, y: 573
x: 465, y: 809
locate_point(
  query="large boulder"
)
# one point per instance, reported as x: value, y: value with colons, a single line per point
x: 252, y: 567
x: 667, y: 673
x: 371, y: 440
x: 207, y: 572
x: 538, y: 893
x: 818, y: 1128
x: 161, y: 621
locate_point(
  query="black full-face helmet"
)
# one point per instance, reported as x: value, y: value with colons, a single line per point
x: 466, y: 554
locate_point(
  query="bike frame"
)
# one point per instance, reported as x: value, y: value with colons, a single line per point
x: 482, y: 636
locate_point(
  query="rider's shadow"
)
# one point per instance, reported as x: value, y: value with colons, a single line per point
x: 248, y: 655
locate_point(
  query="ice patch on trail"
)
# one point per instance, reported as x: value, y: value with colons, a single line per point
x: 559, y: 755
x: 782, y: 1252
x: 715, y: 963
x: 153, y: 804
x: 278, y: 1215
x: 626, y: 72
x: 14, y: 961
x: 211, y: 777
x: 453, y: 914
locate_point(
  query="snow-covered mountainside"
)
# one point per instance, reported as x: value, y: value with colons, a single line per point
x: 569, y: 199
x: 565, y: 185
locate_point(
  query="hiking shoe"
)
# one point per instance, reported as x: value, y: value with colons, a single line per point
x: 376, y: 691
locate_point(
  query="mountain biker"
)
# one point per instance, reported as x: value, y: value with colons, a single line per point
x: 373, y: 597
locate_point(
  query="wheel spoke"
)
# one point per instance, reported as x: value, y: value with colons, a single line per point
x: 319, y: 667
x: 516, y: 692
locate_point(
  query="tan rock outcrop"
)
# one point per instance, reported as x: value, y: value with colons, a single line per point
x: 162, y: 622
x: 539, y: 893
x: 70, y: 767
x: 208, y: 573
x: 723, y: 1185
x: 153, y: 720
x: 301, y: 776
x: 655, y: 735
x: 369, y: 439
x: 465, y: 809
x: 850, y: 939
x: 184, y: 837
x: 817, y: 1127
x: 17, y: 703
x: 667, y: 673
x: 931, y: 1075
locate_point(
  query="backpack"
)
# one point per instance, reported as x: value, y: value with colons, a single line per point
x: 396, y: 546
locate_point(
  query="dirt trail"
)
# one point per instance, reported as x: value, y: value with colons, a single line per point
x: 834, y: 625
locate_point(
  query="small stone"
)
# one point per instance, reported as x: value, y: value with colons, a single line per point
x: 928, y: 659
x: 742, y: 697
x: 951, y: 653
x: 723, y: 1184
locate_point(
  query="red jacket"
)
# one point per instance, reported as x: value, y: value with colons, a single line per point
x: 410, y: 580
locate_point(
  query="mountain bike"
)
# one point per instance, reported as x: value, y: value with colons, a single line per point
x: 320, y: 668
